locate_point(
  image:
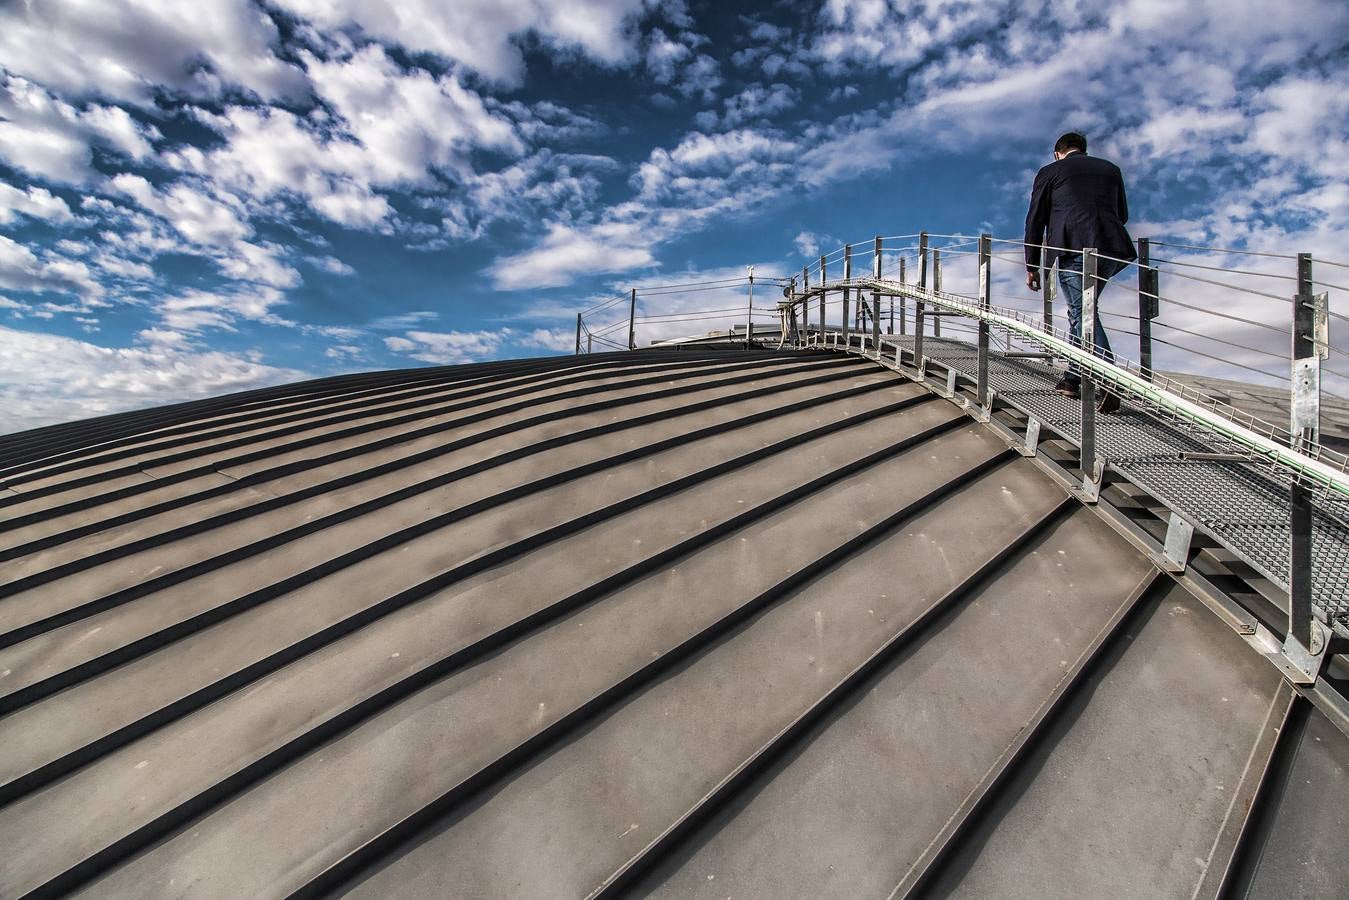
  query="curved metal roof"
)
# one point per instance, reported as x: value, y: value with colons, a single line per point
x: 678, y: 622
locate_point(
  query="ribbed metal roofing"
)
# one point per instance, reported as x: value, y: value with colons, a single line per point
x: 674, y: 622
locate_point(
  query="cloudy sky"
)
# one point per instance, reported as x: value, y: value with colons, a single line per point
x: 209, y: 196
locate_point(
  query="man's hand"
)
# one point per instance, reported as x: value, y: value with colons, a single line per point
x: 1033, y: 280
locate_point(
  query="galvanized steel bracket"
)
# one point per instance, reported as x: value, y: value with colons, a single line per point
x: 1321, y: 324
x: 1175, y: 555
x: 1302, y: 665
x: 984, y: 413
x: 1090, y: 490
x: 1306, y: 395
x: 1031, y: 444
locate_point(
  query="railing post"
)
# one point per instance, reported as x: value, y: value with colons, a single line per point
x: 985, y: 302
x: 749, y: 313
x: 919, y: 305
x: 847, y: 276
x: 805, y: 304
x: 578, y: 334
x: 1148, y: 306
x: 1306, y: 418
x: 824, y: 321
x: 903, y: 301
x: 632, y: 321
x: 1087, y: 456
x: 1305, y: 426
x: 1047, y: 288
x: 876, y: 298
x: 936, y: 288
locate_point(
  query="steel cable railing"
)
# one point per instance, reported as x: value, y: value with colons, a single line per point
x: 957, y: 241
x: 820, y: 284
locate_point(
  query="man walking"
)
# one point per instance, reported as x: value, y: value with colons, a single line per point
x: 1079, y: 201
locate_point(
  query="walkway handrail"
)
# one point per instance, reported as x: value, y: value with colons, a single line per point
x: 1300, y: 454
x: 1299, y: 464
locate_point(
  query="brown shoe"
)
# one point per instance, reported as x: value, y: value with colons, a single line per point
x: 1106, y: 402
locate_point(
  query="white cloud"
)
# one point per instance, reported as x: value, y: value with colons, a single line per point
x: 48, y: 378
x: 344, y: 352
x: 49, y: 138
x: 129, y: 49
x: 484, y: 34
x: 448, y: 348
x: 36, y: 202
x: 549, y: 339
x: 407, y: 121
x: 723, y: 150
x: 344, y: 333
x: 118, y: 130
x: 394, y: 128
x: 162, y: 337
x: 664, y: 56
x: 701, y: 78
x: 403, y: 321
x: 23, y: 270
x: 197, y: 216
x: 756, y: 103
x: 704, y: 178
x: 566, y: 252
x: 40, y: 135
x: 331, y: 264
x: 807, y: 244
x: 194, y: 310
x: 675, y: 63
x: 258, y: 263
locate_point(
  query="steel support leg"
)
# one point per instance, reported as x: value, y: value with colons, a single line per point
x: 985, y: 302
x: 918, y: 306
x: 1148, y: 306
x: 936, y: 289
x: 847, y: 276
x: 1305, y: 645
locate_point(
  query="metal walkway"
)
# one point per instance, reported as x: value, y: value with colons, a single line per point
x: 1242, y: 506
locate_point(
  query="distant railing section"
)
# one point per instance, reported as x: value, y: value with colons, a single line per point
x: 670, y: 310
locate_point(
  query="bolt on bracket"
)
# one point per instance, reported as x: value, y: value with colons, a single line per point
x: 1302, y: 665
x: 1090, y: 491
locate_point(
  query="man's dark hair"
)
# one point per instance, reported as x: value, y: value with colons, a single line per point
x: 1071, y: 141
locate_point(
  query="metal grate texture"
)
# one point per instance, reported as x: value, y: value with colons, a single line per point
x: 1242, y: 506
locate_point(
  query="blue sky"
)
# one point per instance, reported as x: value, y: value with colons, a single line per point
x: 204, y: 197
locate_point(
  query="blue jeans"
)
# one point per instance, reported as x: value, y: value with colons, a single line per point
x: 1070, y: 281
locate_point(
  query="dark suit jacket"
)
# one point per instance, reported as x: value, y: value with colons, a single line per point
x: 1077, y: 202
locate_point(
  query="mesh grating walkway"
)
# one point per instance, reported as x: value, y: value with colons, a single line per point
x: 1243, y: 506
